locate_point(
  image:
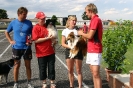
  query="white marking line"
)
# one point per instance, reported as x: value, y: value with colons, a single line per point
x: 85, y: 86
x: 5, y: 50
x: 2, y: 39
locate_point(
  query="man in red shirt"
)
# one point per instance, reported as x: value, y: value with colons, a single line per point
x: 94, y: 45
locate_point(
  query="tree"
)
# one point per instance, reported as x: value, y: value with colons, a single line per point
x: 3, y: 14
x: 54, y: 18
x: 84, y: 17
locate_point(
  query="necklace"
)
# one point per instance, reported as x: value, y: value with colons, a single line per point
x: 21, y: 33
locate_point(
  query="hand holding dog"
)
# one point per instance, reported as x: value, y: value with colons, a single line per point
x: 50, y: 37
x: 80, y: 32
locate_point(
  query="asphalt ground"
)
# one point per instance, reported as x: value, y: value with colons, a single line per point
x: 60, y: 66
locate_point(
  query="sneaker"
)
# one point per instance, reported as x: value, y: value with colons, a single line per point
x: 30, y: 86
x: 44, y: 85
x: 52, y: 85
x: 15, y: 85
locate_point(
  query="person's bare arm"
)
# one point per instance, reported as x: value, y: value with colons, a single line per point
x: 43, y: 39
x: 9, y: 38
x: 89, y: 35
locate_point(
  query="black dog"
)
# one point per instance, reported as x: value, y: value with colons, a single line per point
x: 5, y: 68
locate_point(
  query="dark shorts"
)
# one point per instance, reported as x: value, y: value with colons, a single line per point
x: 79, y: 56
x: 18, y: 53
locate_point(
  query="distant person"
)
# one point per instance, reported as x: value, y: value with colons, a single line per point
x: 94, y: 48
x: 44, y: 51
x: 85, y: 28
x: 22, y: 29
x: 77, y: 60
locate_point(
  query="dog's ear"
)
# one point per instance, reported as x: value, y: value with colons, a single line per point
x: 11, y: 60
x: 47, y: 22
x: 53, y: 22
x: 70, y: 36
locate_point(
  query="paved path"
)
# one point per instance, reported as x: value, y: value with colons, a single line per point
x: 61, y: 69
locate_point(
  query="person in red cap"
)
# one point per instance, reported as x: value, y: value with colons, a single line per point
x: 44, y: 51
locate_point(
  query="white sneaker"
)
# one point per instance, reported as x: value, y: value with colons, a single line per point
x: 15, y: 85
x: 44, y: 85
x: 30, y: 86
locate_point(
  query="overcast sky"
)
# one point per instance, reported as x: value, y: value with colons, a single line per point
x: 107, y: 9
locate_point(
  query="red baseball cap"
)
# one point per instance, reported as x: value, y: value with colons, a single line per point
x: 40, y: 15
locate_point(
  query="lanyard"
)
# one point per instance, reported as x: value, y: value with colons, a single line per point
x: 21, y: 33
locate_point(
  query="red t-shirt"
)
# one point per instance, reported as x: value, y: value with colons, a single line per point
x: 44, y: 48
x: 95, y: 44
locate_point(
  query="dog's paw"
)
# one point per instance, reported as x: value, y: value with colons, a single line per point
x: 73, y: 55
x: 70, y: 55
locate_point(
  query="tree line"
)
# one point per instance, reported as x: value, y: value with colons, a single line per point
x: 3, y: 15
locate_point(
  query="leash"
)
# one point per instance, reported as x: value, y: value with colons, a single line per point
x: 20, y: 58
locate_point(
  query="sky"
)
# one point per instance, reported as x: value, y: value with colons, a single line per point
x: 107, y: 9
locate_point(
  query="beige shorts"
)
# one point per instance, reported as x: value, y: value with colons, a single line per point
x: 93, y: 58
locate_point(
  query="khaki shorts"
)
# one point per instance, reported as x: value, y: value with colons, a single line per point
x: 93, y: 58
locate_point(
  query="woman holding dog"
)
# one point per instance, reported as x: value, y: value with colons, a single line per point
x: 94, y: 47
x: 77, y: 60
x: 44, y: 51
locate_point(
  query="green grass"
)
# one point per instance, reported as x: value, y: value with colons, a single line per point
x: 59, y: 35
x: 128, y: 55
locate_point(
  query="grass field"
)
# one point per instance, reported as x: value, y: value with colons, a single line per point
x: 128, y: 55
x: 59, y: 35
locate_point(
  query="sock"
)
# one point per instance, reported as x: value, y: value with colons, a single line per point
x: 15, y: 82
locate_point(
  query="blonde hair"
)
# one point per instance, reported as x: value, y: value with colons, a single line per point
x: 70, y: 18
x: 92, y: 7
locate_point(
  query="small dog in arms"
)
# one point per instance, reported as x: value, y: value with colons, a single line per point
x: 52, y: 31
x: 77, y: 43
x: 5, y: 68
